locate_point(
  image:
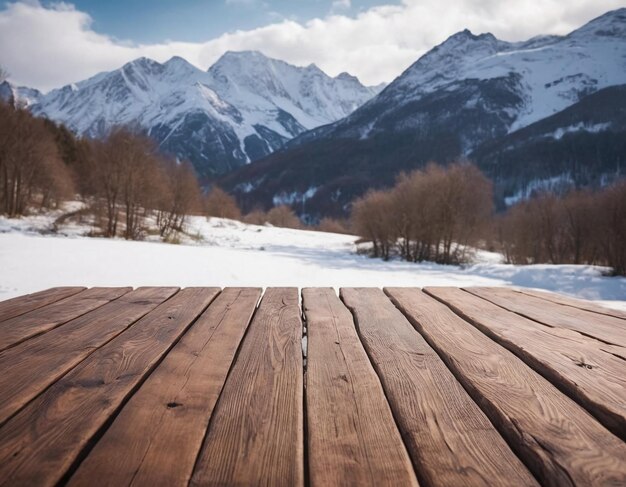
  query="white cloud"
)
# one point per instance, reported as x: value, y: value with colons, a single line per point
x: 47, y: 47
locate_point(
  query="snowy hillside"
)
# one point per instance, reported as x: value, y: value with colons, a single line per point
x: 25, y: 96
x: 245, y: 106
x: 546, y: 74
x: 468, y: 92
x: 220, y: 252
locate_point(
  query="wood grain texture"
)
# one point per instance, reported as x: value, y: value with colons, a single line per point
x: 449, y: 438
x: 32, y: 366
x: 23, y: 304
x: 606, y: 328
x: 574, y: 303
x: 352, y: 436
x: 556, y: 438
x: 41, y: 442
x: 157, y: 436
x: 595, y: 378
x: 255, y: 436
x: 17, y: 330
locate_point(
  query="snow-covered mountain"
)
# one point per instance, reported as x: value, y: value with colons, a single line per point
x: 513, y: 84
x: 468, y: 91
x: 23, y: 95
x: 243, y: 108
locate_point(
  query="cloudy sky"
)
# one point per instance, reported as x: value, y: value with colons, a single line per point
x: 48, y: 44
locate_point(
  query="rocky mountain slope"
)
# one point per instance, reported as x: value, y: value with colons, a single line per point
x: 456, y: 102
x: 23, y: 95
x: 243, y: 108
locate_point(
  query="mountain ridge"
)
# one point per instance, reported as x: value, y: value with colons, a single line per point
x: 468, y: 90
x: 245, y: 106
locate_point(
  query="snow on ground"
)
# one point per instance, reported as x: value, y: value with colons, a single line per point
x: 227, y: 253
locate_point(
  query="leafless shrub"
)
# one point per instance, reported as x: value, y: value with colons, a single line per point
x: 279, y: 216
x: 176, y: 195
x: 371, y: 220
x: 432, y: 214
x: 581, y: 227
x: 331, y: 225
x: 220, y: 204
x: 256, y: 217
x: 283, y: 216
x: 31, y: 169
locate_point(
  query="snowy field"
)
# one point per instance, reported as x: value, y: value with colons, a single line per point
x: 228, y: 253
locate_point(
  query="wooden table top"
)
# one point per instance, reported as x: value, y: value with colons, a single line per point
x: 394, y: 386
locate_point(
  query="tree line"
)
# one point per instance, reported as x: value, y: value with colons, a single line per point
x: 123, y: 179
x: 580, y: 227
x: 440, y: 214
x: 434, y: 214
x: 130, y: 188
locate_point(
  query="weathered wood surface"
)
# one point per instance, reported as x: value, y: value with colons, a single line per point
x: 256, y: 431
x: 439, y: 387
x: 352, y: 436
x: 571, y: 361
x: 42, y: 442
x: 557, y: 439
x: 449, y: 438
x: 20, y: 328
x: 156, y: 438
x: 574, y: 303
x: 24, y: 304
x: 30, y: 367
x: 605, y: 328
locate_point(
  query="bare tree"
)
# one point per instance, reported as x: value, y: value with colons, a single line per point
x: 178, y: 195
x: 283, y: 216
x: 612, y: 226
x: 220, y: 204
x: 581, y: 227
x: 331, y: 225
x: 31, y: 170
x: 123, y: 175
x: 372, y: 219
x: 256, y: 217
x: 431, y: 214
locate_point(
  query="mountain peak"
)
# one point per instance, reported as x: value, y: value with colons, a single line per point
x: 240, y: 56
x: 345, y: 76
x: 20, y: 94
x: 142, y: 65
x: 177, y: 65
x: 174, y: 60
x: 466, y: 35
x: 462, y: 48
x: 611, y: 24
x: 142, y: 61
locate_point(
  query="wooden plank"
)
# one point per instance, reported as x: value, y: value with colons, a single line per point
x: 255, y: 436
x: 23, y: 304
x: 18, y: 329
x: 574, y: 303
x: 352, y: 437
x: 157, y: 436
x: 558, y: 440
x: 32, y: 366
x: 606, y: 328
x: 449, y: 438
x: 576, y: 364
x: 41, y: 443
